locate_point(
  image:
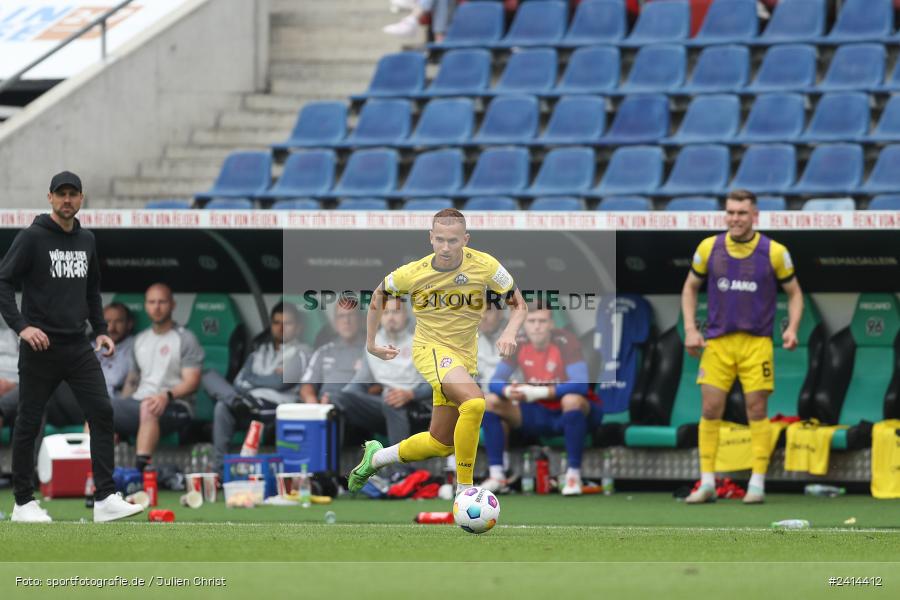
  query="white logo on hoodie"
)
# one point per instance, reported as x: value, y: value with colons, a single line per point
x: 68, y: 264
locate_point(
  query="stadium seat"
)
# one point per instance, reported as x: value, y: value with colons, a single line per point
x: 720, y: 69
x: 885, y: 175
x: 296, y: 204
x: 362, y: 204
x: 564, y: 171
x: 632, y: 170
x: 728, y: 22
x: 788, y: 68
x: 511, y: 119
x: 382, y: 122
x: 464, y: 72
x: 499, y: 171
x: 536, y: 24
x: 444, y: 122
x: 596, y: 22
x: 767, y: 168
x: 491, y: 203
x: 839, y: 117
x: 399, y: 74
x: 474, y: 24
x: 368, y: 173
x: 863, y: 20
x: 169, y: 204
x: 529, y: 72
x: 625, y: 203
x: 819, y: 204
x: 591, y: 70
x: 774, y: 118
x: 831, y: 169
x: 795, y: 21
x: 135, y: 303
x: 434, y: 173
x: 429, y: 204
x: 660, y: 68
x: 771, y: 203
x: 892, y: 81
x: 562, y: 203
x: 703, y: 169
x: 694, y: 203
x: 888, y: 127
x: 708, y: 119
x: 575, y: 120
x: 243, y: 175
x: 639, y: 119
x: 885, y: 202
x: 855, y: 67
x: 230, y: 204
x: 305, y: 174
x: 661, y: 22
x: 318, y: 124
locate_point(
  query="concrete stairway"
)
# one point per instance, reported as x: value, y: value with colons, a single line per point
x: 319, y: 50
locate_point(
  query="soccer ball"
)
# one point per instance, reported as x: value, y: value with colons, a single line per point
x: 476, y: 510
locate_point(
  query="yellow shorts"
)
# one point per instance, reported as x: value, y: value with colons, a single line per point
x: 739, y: 354
x: 433, y: 362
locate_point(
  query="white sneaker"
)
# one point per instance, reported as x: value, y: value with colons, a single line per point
x: 703, y: 495
x: 754, y: 495
x: 405, y: 27
x: 495, y: 486
x: 114, y: 507
x: 572, y: 487
x: 31, y: 512
x: 398, y: 5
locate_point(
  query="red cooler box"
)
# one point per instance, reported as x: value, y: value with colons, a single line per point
x: 63, y: 464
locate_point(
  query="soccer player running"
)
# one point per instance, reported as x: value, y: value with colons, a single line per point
x: 449, y: 290
x: 742, y: 269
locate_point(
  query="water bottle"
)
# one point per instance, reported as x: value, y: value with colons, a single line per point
x: 542, y: 474
x: 563, y: 465
x: 607, y: 483
x: 305, y: 487
x: 195, y: 459
x: 828, y: 491
x: 791, y: 524
x: 204, y: 459
x: 527, y: 474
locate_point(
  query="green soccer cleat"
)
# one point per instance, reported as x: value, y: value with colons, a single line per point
x: 361, y: 473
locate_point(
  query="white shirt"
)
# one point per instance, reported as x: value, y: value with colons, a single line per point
x: 9, y: 354
x: 159, y: 358
x: 400, y: 372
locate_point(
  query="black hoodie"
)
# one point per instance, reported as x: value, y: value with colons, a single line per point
x: 60, y: 276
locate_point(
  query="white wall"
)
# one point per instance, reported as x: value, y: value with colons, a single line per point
x: 152, y: 92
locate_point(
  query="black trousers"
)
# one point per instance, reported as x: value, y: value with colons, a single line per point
x: 39, y: 375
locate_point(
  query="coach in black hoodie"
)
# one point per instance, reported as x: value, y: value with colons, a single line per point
x: 55, y: 261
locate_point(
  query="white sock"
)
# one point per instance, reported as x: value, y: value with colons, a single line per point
x: 758, y: 480
x: 497, y: 472
x: 505, y: 460
x: 461, y: 487
x: 708, y: 479
x: 451, y: 463
x: 571, y: 472
x: 386, y: 456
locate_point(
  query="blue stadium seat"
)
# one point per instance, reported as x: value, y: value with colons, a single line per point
x: 537, y: 24
x: 703, y: 169
x: 885, y: 175
x: 855, y: 67
x: 658, y: 68
x: 892, y: 82
x: 363, y: 204
x: 863, y: 20
x: 296, y: 204
x: 464, y: 72
x: 596, y: 22
x: 530, y: 71
x: 399, y: 74
x: 639, y: 119
x: 767, y: 168
x: 839, y: 117
x: 591, y: 70
x: 774, y: 118
x: 444, y: 122
x: 305, y: 174
x: 885, y: 202
x: 382, y: 122
x: 771, y: 203
x: 709, y: 119
x: 728, y: 22
x: 429, y: 204
x: 831, y: 169
x: 575, y: 120
x: 695, y: 203
x: 564, y: 171
x: 474, y: 24
x: 829, y: 204
x: 435, y: 173
x: 491, y: 203
x: 318, y: 124
x: 368, y: 173
x: 795, y: 21
x: 625, y: 203
x: 169, y: 204
x: 243, y: 175
x: 562, y: 203
x: 230, y: 204
x: 660, y: 22
x: 511, y: 119
x: 632, y: 170
x: 499, y: 171
x: 720, y: 69
x: 787, y: 68
x: 888, y: 127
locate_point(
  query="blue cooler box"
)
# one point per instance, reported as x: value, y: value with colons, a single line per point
x: 239, y: 468
x: 307, y: 433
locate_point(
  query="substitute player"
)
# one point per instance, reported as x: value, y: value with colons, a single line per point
x: 742, y: 269
x: 449, y: 290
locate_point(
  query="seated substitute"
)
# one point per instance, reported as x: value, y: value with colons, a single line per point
x: 334, y: 364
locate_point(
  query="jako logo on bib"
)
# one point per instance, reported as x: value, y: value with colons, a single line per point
x: 725, y: 285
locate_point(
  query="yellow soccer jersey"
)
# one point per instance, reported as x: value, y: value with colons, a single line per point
x: 448, y: 304
x: 778, y: 255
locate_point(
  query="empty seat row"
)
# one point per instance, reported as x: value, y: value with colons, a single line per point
x: 657, y: 68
